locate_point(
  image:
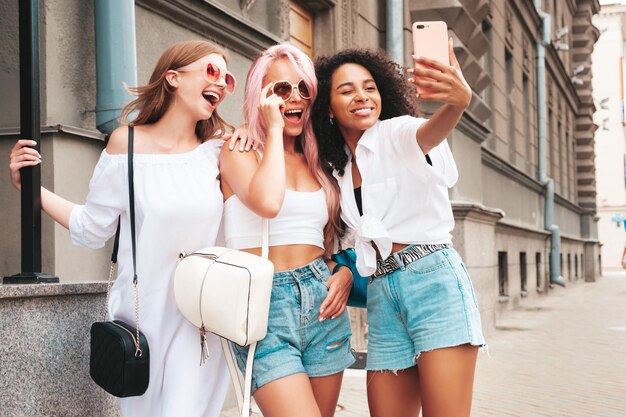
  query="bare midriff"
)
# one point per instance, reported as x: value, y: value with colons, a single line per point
x: 287, y: 257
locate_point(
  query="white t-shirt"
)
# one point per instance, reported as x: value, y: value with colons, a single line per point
x: 405, y: 200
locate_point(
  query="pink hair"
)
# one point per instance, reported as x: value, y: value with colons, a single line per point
x: 256, y: 126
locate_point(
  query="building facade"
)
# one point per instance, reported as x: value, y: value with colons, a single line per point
x: 608, y: 93
x: 525, y: 204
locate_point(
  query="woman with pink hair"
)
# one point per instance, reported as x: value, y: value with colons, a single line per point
x: 299, y: 365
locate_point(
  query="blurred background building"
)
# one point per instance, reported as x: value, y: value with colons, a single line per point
x: 608, y: 94
x: 525, y: 204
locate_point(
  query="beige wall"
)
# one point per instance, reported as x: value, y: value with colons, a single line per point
x: 9, y: 65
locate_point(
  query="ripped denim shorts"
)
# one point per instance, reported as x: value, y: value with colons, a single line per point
x: 424, y: 305
x: 296, y: 340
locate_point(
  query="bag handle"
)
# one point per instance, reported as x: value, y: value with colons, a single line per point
x: 244, y: 396
x: 131, y: 201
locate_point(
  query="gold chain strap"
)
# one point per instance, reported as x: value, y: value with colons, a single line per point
x: 138, y: 351
x: 106, y: 306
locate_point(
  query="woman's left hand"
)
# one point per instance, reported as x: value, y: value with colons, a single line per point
x: 445, y: 83
x: 339, y: 286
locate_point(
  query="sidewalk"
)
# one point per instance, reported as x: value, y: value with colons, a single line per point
x: 564, y: 356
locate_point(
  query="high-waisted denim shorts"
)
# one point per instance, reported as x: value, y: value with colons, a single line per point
x: 296, y: 340
x: 425, y: 305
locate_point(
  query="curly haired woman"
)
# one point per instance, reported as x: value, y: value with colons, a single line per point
x: 394, y: 171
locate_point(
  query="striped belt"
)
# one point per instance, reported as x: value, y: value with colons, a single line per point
x: 404, y: 257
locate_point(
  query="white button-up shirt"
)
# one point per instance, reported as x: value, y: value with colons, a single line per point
x: 405, y: 200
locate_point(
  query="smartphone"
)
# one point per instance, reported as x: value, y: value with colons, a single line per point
x: 430, y: 40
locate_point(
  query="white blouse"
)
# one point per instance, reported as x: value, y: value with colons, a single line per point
x: 178, y: 207
x: 405, y: 200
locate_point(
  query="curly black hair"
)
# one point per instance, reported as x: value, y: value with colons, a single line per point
x: 394, y: 88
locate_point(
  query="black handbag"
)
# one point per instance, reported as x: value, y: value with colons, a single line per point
x: 119, y: 360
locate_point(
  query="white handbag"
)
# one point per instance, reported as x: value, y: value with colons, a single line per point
x: 227, y: 292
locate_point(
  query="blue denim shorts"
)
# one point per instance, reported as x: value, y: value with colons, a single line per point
x: 425, y: 305
x: 296, y: 340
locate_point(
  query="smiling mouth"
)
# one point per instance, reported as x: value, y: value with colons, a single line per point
x: 211, y: 97
x: 363, y: 111
x: 293, y: 115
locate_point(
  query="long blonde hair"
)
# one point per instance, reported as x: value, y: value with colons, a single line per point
x: 154, y: 99
x: 256, y: 127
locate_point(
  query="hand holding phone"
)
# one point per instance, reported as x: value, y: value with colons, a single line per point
x: 437, y: 73
x: 430, y: 40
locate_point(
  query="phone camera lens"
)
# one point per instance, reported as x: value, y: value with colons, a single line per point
x: 420, y: 26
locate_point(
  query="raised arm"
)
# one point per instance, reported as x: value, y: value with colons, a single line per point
x: 260, y: 185
x: 446, y: 84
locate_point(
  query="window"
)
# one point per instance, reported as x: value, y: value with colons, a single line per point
x: 566, y: 163
x: 527, y: 114
x: 569, y: 267
x: 549, y: 263
x: 558, y: 170
x: 485, y: 60
x: 510, y: 102
x: 301, y: 27
x: 572, y: 163
x: 576, y: 265
x: 503, y: 278
x: 582, y: 265
x: 538, y: 271
x: 523, y: 274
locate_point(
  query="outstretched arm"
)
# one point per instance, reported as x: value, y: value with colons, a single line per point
x: 446, y: 84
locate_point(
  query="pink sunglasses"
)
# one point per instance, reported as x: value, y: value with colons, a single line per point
x: 212, y: 74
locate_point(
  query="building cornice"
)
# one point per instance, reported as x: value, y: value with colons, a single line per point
x: 530, y: 18
x: 211, y: 20
x: 571, y: 238
x: 491, y: 160
x: 561, y: 77
x: 520, y: 230
x: 559, y: 199
x: 475, y: 212
x: 72, y: 130
x: 473, y: 128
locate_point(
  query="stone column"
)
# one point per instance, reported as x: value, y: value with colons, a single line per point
x: 474, y: 239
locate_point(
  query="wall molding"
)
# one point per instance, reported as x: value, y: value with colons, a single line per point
x: 510, y: 228
x: 473, y: 128
x: 559, y: 199
x: 491, y: 160
x: 216, y: 22
x: 72, y: 130
x: 475, y: 212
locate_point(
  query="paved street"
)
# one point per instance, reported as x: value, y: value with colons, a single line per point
x: 565, y: 355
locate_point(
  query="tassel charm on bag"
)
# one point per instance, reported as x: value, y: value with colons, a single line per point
x: 204, y: 346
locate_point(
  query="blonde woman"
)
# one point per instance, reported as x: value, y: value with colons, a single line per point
x: 178, y: 205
